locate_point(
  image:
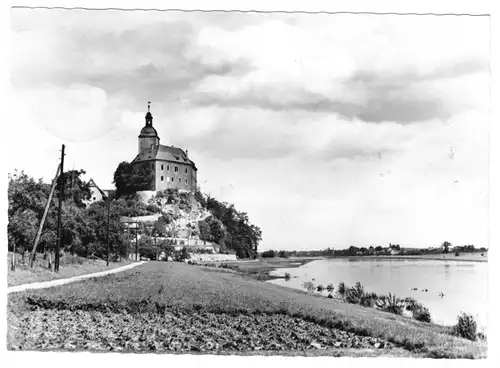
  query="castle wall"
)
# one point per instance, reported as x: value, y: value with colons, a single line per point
x: 167, y: 178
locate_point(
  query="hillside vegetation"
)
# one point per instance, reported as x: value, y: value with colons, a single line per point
x: 84, y: 226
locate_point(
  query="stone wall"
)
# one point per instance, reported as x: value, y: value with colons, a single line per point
x: 213, y: 257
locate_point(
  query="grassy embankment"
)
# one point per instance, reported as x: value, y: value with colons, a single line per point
x: 141, y: 309
x: 69, y: 266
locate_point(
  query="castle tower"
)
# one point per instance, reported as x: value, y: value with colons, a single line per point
x: 149, y: 136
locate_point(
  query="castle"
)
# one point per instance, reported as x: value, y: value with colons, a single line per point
x: 171, y: 166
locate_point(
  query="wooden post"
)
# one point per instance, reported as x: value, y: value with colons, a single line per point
x: 107, y: 258
x: 136, y: 244
x: 45, y: 212
x: 61, y: 198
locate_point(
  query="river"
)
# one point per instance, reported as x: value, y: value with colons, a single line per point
x: 464, y: 284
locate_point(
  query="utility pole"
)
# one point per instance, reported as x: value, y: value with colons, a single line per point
x: 45, y: 212
x: 107, y: 258
x: 136, y: 244
x: 61, y: 197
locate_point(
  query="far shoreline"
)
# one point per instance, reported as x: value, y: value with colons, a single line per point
x: 430, y: 257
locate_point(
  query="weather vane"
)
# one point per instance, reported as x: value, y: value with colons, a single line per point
x: 149, y: 105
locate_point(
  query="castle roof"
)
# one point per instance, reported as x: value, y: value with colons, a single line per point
x: 148, y: 131
x: 163, y: 153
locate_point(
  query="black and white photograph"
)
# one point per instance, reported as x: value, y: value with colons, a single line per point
x: 249, y: 183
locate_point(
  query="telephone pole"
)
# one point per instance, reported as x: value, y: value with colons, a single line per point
x: 61, y: 198
x: 107, y: 258
x: 136, y: 244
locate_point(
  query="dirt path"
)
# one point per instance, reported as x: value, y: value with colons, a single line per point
x: 51, y: 283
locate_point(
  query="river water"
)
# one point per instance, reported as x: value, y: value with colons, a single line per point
x: 464, y: 284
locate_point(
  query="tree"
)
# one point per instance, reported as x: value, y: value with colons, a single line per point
x: 205, y: 233
x: 446, y: 245
x: 76, y: 189
x: 130, y: 179
x: 200, y: 198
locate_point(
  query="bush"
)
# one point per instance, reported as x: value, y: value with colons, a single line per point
x: 457, y: 254
x: 354, y: 294
x: 422, y: 314
x: 391, y: 304
x: 329, y: 288
x: 368, y: 299
x: 153, y: 208
x: 341, y: 289
x: 182, y: 255
x: 320, y: 288
x: 309, y: 286
x: 466, y: 327
x: 283, y: 254
x: 287, y: 276
x: 269, y: 254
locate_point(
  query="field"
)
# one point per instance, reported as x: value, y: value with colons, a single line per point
x: 69, y: 266
x: 168, y: 307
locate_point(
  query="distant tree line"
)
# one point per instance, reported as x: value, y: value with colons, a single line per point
x: 371, y: 250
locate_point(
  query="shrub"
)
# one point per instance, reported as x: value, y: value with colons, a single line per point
x: 368, y: 299
x: 283, y: 254
x: 354, y: 294
x: 329, y: 288
x: 287, y: 276
x: 341, y: 289
x: 422, y: 314
x: 391, y: 304
x: 320, y: 288
x: 269, y: 254
x: 466, y: 327
x: 457, y: 254
x: 153, y: 208
x: 309, y: 286
x: 330, y: 296
x: 182, y: 255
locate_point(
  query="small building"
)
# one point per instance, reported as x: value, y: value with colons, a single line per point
x: 171, y: 166
x: 96, y: 193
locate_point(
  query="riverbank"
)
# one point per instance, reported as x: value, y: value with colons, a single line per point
x: 168, y: 307
x: 464, y: 257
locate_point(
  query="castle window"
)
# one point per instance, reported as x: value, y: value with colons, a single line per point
x: 152, y: 166
x: 172, y: 179
x: 162, y: 178
x: 186, y: 171
x: 186, y: 182
x: 180, y: 180
x: 176, y: 168
x: 168, y: 167
x: 162, y: 166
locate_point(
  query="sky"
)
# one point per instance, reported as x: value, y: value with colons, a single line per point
x: 328, y: 130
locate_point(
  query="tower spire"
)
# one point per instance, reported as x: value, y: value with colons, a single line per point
x: 149, y: 117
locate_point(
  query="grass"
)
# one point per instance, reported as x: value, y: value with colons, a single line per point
x: 69, y: 266
x: 184, y: 286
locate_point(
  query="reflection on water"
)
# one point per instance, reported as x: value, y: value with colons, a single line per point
x: 463, y: 284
